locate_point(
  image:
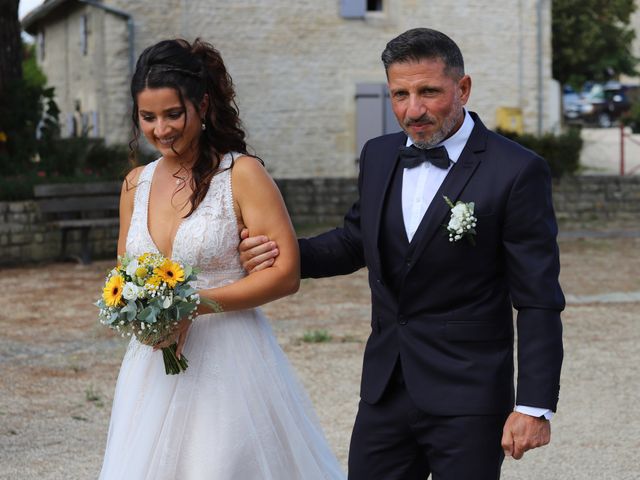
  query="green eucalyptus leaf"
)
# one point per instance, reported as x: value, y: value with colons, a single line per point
x: 112, y: 318
x: 130, y: 310
x: 149, y: 315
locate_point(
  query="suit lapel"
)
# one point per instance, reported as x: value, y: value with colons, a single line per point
x: 390, y: 150
x: 454, y: 183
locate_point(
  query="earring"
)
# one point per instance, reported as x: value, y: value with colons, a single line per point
x: 204, y: 125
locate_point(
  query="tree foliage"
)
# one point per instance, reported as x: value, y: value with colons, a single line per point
x: 592, y: 40
x: 29, y: 118
x: 10, y: 45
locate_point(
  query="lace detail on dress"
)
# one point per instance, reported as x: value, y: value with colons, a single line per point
x: 208, y: 239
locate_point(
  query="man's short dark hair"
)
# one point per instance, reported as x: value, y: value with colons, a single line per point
x: 424, y: 43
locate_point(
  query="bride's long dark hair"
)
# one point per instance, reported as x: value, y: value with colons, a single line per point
x: 193, y: 70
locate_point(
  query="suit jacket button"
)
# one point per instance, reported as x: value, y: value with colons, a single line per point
x: 402, y: 320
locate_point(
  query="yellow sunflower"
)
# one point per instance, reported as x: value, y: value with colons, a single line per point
x: 170, y: 272
x: 112, y: 292
x: 141, y: 272
x: 152, y: 281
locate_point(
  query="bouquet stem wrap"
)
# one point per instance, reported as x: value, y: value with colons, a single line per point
x: 172, y: 364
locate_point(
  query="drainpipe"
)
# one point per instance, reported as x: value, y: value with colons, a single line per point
x: 539, y: 5
x: 130, y: 27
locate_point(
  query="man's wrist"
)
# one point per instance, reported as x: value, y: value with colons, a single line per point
x: 534, y: 411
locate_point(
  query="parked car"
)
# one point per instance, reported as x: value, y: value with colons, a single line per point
x: 602, y: 105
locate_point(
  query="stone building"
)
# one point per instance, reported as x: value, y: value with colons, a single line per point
x: 308, y: 73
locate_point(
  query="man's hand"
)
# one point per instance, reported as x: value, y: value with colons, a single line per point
x: 256, y: 253
x: 523, y: 432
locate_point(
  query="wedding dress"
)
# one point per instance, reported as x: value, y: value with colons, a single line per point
x: 238, y: 412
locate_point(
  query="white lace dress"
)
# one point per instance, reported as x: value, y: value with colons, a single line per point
x: 238, y: 412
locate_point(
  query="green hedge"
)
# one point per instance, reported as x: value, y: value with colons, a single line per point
x: 562, y: 152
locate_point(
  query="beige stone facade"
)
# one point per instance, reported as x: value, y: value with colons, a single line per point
x: 296, y: 64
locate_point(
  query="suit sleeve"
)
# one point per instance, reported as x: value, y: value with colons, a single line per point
x: 339, y: 251
x: 533, y: 267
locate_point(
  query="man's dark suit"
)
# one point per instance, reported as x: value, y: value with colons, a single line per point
x: 449, y: 316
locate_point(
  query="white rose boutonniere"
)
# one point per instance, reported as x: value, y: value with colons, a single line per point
x: 462, y: 222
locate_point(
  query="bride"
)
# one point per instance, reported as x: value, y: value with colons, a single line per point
x: 238, y: 411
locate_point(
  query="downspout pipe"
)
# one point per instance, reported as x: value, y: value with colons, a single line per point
x: 130, y: 26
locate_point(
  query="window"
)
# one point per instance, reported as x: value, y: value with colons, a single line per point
x: 359, y: 8
x: 374, y: 5
x: 374, y: 116
x: 84, y: 34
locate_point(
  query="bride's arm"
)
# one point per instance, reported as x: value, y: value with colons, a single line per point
x: 262, y: 210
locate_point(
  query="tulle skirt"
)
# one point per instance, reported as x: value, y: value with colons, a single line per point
x: 238, y: 412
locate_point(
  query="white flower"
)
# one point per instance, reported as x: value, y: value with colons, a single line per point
x: 454, y: 223
x: 459, y: 210
x: 167, y: 301
x: 462, y: 222
x: 130, y: 291
x: 132, y: 267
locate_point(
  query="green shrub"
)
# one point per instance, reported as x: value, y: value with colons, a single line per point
x: 28, y: 118
x: 316, y: 336
x: 71, y: 160
x: 562, y: 152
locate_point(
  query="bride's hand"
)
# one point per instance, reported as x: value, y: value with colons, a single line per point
x: 179, y: 336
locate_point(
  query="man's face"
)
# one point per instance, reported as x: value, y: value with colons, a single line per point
x: 426, y: 101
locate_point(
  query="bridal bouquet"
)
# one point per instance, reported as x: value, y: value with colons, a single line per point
x: 146, y: 297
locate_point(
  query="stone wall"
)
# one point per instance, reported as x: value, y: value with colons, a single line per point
x: 594, y: 201
x: 598, y: 200
x: 26, y: 237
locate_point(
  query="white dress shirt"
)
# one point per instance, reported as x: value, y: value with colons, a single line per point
x: 419, y: 187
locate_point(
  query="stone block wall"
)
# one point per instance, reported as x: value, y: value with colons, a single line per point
x: 25, y: 236
x: 592, y: 201
x: 598, y: 199
x: 318, y: 200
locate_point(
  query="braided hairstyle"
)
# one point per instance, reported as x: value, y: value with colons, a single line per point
x: 193, y: 71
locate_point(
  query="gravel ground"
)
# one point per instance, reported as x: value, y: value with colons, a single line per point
x: 59, y: 366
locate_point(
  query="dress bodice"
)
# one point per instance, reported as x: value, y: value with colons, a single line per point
x: 207, y: 239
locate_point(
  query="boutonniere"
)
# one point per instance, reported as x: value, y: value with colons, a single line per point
x: 462, y: 223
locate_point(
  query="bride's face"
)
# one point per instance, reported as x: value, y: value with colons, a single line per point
x: 169, y: 126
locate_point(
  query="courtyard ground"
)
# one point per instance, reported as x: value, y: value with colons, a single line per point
x: 59, y: 366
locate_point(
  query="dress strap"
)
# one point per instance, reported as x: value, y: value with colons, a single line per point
x: 141, y: 200
x: 228, y: 157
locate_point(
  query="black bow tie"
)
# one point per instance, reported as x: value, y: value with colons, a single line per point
x: 413, y: 156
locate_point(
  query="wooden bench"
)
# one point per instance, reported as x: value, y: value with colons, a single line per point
x: 79, y: 206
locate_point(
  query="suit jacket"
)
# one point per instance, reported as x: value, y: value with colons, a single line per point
x: 451, y: 321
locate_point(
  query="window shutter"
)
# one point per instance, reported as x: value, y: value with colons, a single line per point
x: 369, y: 112
x: 353, y: 8
x: 390, y: 121
x: 374, y: 115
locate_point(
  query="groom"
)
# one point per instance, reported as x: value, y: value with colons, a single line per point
x: 437, y: 393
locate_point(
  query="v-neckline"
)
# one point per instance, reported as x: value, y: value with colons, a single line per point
x: 175, y: 236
